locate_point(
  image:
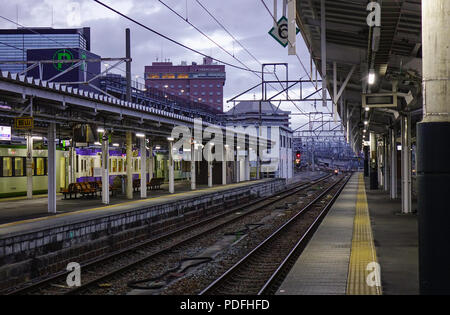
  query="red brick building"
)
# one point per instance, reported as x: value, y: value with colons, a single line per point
x: 202, y: 83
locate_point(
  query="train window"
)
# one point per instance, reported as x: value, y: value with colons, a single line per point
x: 7, y: 166
x: 120, y: 165
x: 136, y: 165
x: 18, y: 166
x: 114, y: 165
x: 40, y: 166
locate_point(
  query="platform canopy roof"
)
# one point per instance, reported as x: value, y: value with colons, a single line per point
x: 352, y: 44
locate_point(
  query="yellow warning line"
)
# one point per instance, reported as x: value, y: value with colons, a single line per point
x: 167, y: 196
x: 364, y: 272
x: 25, y: 197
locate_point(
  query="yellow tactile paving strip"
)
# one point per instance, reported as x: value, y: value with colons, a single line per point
x: 363, y: 273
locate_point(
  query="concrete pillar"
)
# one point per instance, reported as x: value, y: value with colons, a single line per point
x: 433, y: 143
x: 380, y: 165
x: 258, y: 165
x: 51, y: 168
x: 150, y: 162
x: 143, y: 149
x: 373, y: 162
x: 366, y: 161
x: 105, y: 169
x: 29, y: 164
x: 386, y: 163
x: 247, y: 166
x: 224, y: 164
x: 210, y: 167
x: 129, y: 148
x: 171, y: 171
x: 72, y: 161
x: 193, y: 169
x: 393, y: 164
x: 406, y: 163
x: 238, y: 167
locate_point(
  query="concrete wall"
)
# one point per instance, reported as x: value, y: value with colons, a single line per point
x: 28, y: 255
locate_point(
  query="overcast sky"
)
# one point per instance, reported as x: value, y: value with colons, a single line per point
x: 247, y: 20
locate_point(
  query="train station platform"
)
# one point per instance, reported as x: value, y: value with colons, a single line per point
x: 364, y: 246
x: 35, y: 247
x: 20, y: 208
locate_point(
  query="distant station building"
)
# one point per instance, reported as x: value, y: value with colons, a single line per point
x: 276, y: 122
x: 16, y: 43
x: 200, y: 83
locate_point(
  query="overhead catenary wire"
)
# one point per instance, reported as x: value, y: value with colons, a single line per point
x: 168, y: 38
x: 209, y: 38
x: 42, y: 35
x: 51, y: 39
x: 205, y: 35
x: 296, y: 54
x: 226, y: 30
x: 275, y: 20
x: 12, y: 46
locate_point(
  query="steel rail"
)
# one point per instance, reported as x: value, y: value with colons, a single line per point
x: 223, y: 278
x: 189, y: 239
x: 266, y: 201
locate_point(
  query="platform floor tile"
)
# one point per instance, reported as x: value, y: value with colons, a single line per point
x: 323, y: 266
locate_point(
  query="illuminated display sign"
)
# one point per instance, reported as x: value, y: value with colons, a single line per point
x: 5, y: 133
x: 379, y: 100
x: 62, y: 54
x: 208, y: 75
x: 24, y: 123
x: 168, y: 76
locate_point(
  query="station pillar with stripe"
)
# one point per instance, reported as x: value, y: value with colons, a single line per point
x: 433, y: 150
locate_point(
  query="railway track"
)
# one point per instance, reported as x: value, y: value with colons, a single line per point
x: 263, y: 269
x: 106, y: 267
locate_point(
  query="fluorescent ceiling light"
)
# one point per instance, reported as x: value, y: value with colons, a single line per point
x: 371, y: 79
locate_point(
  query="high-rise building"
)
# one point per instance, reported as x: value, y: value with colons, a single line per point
x: 14, y: 43
x: 200, y: 83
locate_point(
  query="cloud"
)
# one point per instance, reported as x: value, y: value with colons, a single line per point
x: 248, y: 21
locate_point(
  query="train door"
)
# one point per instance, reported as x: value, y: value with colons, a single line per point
x: 62, y: 172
